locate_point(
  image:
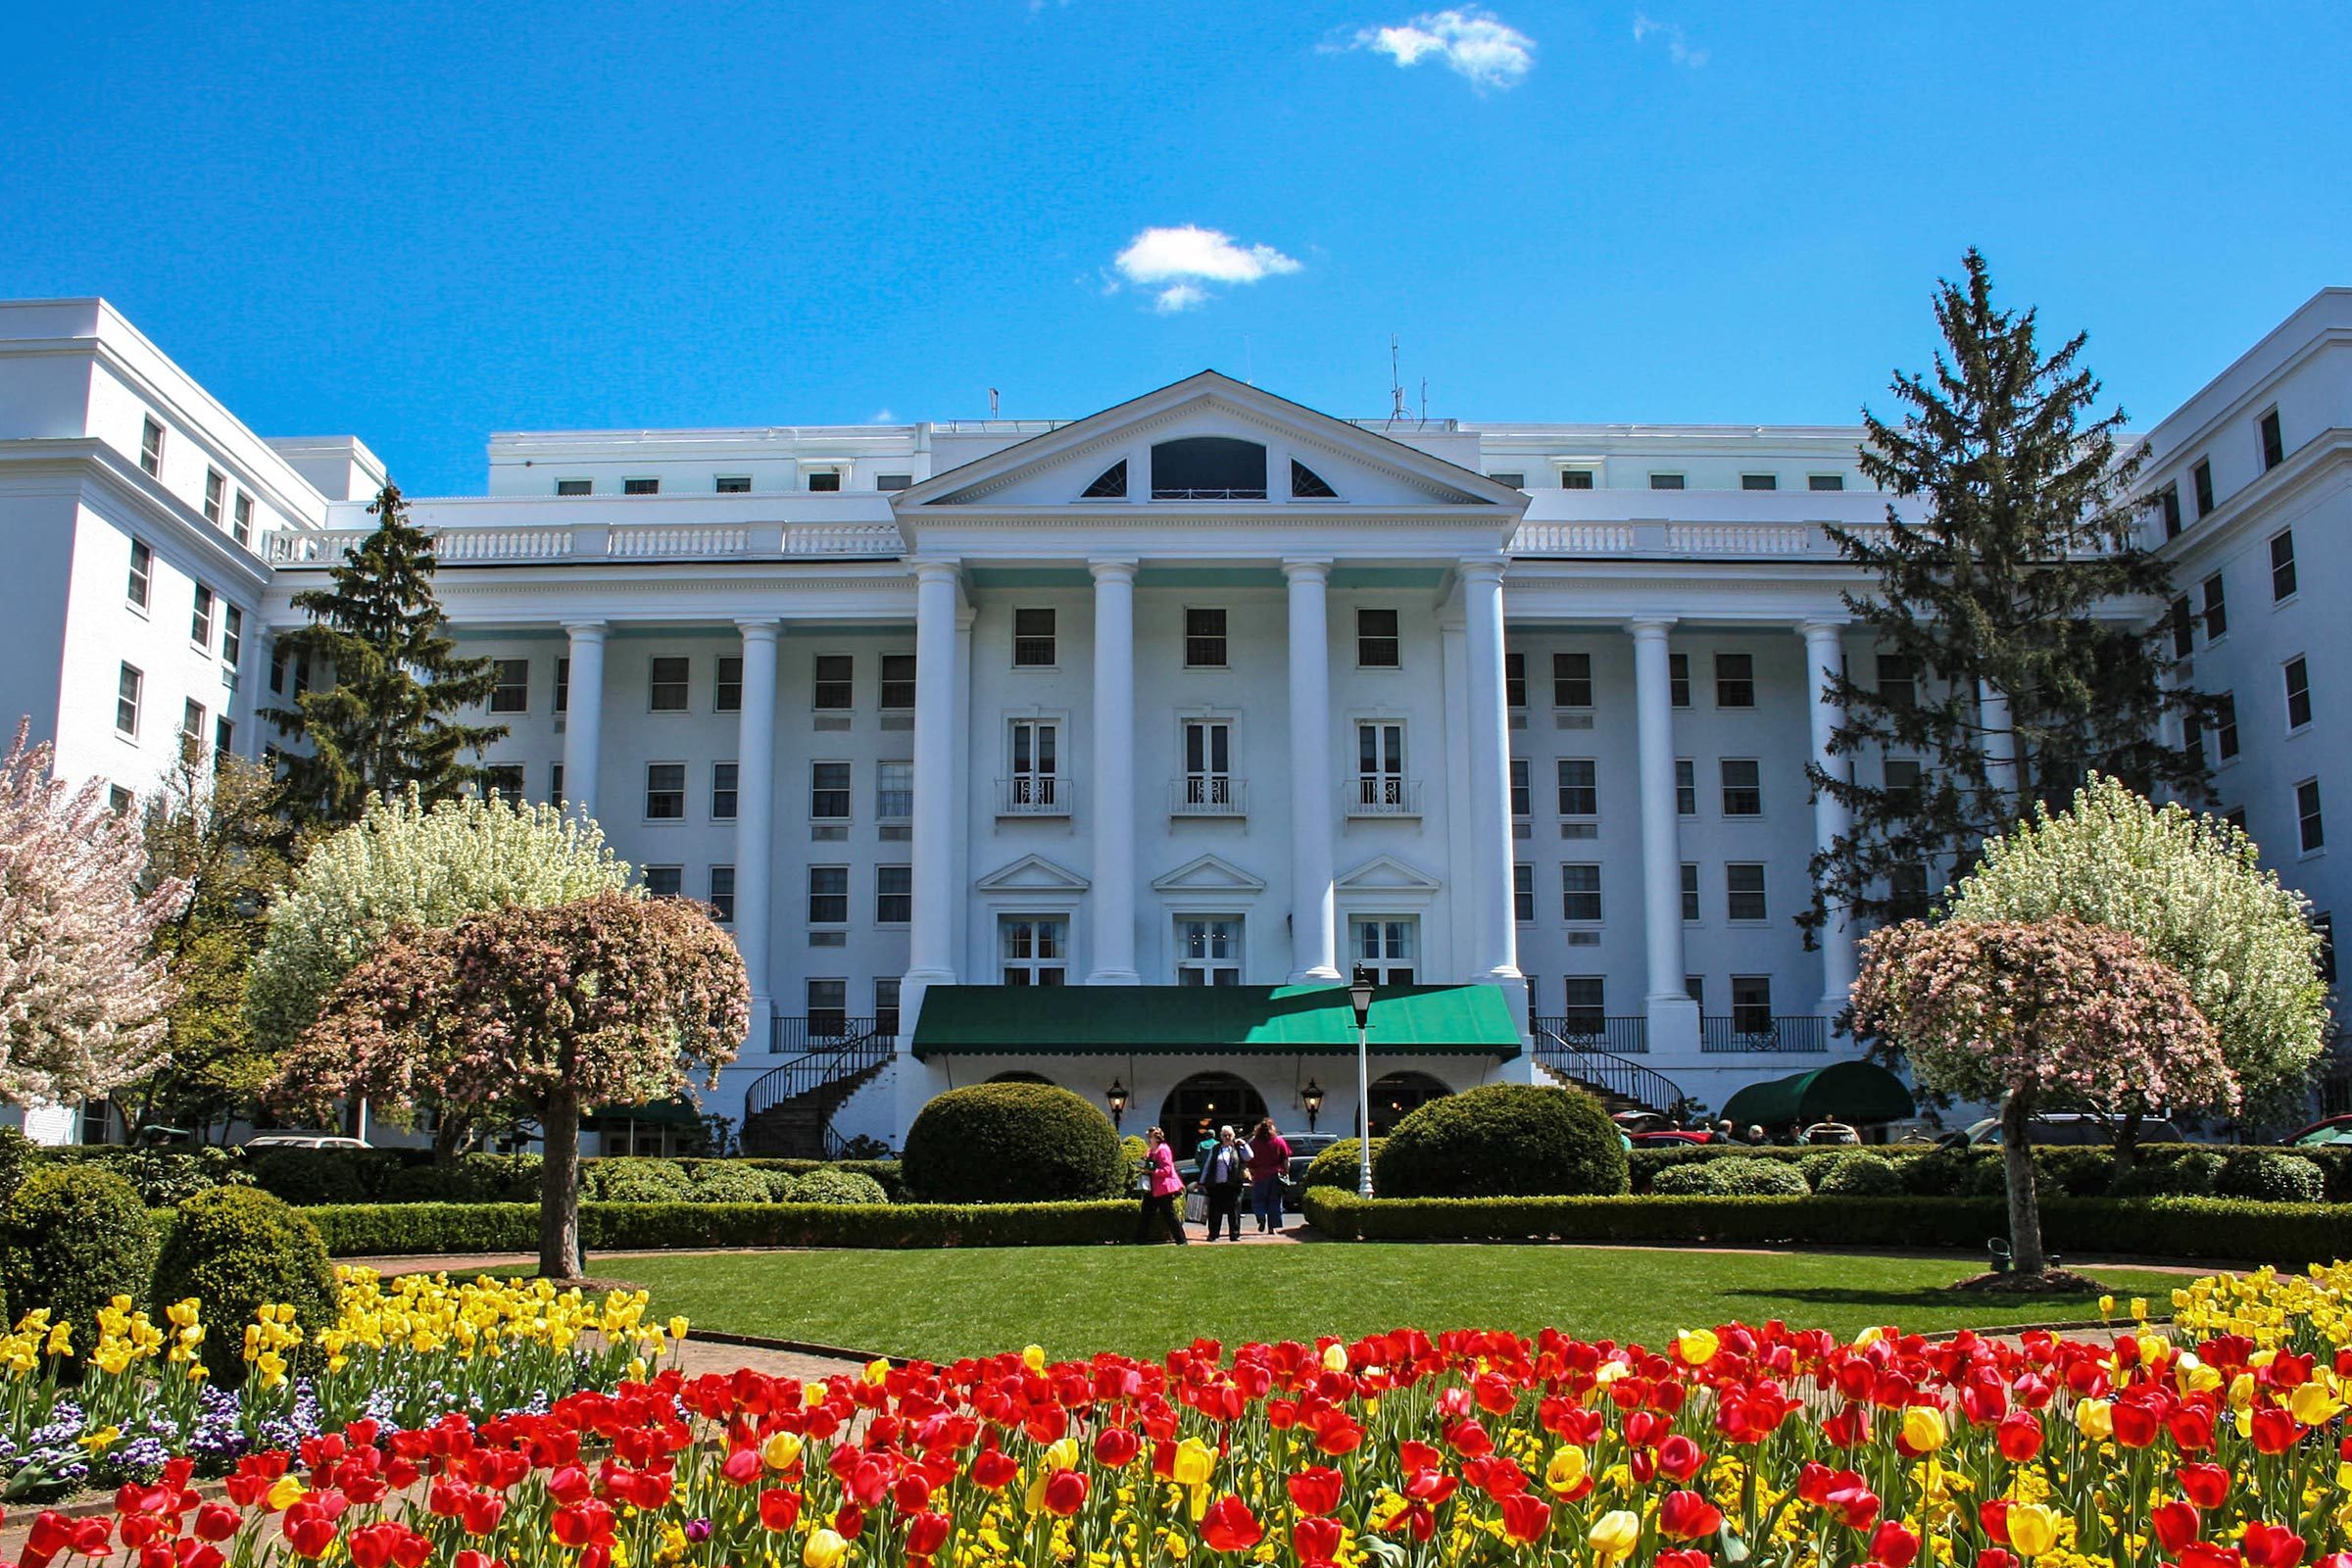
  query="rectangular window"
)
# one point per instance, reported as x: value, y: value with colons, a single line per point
x: 1586, y: 1012
x: 1678, y: 679
x: 1898, y: 680
x: 240, y: 527
x: 2282, y: 566
x: 1580, y: 793
x: 1385, y: 945
x: 824, y: 482
x: 1517, y: 481
x: 1033, y: 639
x: 894, y: 792
x: 1376, y: 645
x: 1751, y: 1003
x: 1902, y: 785
x: 1572, y: 680
x: 829, y: 792
x: 1208, y: 762
x: 200, y: 619
x: 1208, y: 950
x: 828, y: 895
x: 1744, y: 891
x: 1735, y: 680
x: 513, y: 693
x: 667, y: 688
x: 215, y: 495
x: 894, y: 895
x: 894, y: 481
x: 1686, y: 787
x: 1576, y: 478
x: 665, y: 881
x: 2200, y: 481
x: 1580, y: 892
x: 1695, y: 986
x: 722, y: 894
x: 723, y: 776
x: 1523, y: 893
x: 142, y: 573
x: 1743, y: 787
x: 664, y: 792
x: 555, y: 782
x: 2298, y: 693
x: 828, y: 1002
x: 575, y: 487
x: 562, y: 685
x: 232, y: 635
x: 1036, y: 764
x: 1689, y: 892
x: 1759, y: 481
x: 640, y: 487
x: 2311, y: 830
x: 732, y: 484
x: 2184, y: 628
x: 2273, y: 441
x: 2168, y: 509
x: 225, y: 739
x: 192, y: 728
x: 1522, y: 795
x: 2224, y: 726
x: 1204, y: 639
x: 1035, y: 950
x: 151, y: 449
x: 503, y: 781
x: 897, y: 682
x: 726, y: 685
x: 1514, y: 682
x: 1825, y: 481
x: 833, y: 685
x: 1380, y: 765
x: 886, y: 1004
x: 2217, y: 610
x: 1907, y: 891
x: 1665, y: 481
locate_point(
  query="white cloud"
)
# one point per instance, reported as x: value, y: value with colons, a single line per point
x: 1677, y: 43
x: 1473, y: 43
x: 883, y: 417
x: 1175, y: 262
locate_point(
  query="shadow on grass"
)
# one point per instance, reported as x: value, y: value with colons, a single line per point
x: 1934, y: 1296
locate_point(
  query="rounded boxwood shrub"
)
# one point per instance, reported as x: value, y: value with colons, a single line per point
x: 72, y: 1238
x: 238, y: 1249
x: 838, y: 1187
x: 716, y: 1181
x: 1336, y: 1166
x: 1503, y: 1140
x: 1937, y: 1173
x: 782, y: 1185
x: 1733, y: 1176
x: 2269, y: 1177
x: 1858, y: 1176
x: 2192, y: 1175
x: 1816, y: 1165
x: 629, y: 1180
x: 1011, y: 1144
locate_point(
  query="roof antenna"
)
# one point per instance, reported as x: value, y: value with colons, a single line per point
x: 1425, y: 400
x: 991, y: 402
x: 1396, y: 409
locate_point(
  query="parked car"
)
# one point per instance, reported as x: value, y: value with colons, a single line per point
x: 1665, y: 1138
x: 2327, y: 1130
x: 306, y: 1141
x: 2066, y: 1127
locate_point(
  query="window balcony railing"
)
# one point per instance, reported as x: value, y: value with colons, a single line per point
x: 1619, y: 1037
x: 1034, y: 795
x: 1761, y: 1032
x: 1208, y: 794
x: 789, y: 1036
x: 1383, y: 795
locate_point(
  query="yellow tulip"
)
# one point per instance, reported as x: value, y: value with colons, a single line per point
x: 1614, y: 1534
x: 1194, y: 1462
x: 2312, y: 1404
x: 1697, y: 1346
x: 780, y: 1450
x: 824, y: 1549
x: 1034, y: 1357
x: 284, y: 1492
x: 2033, y: 1529
x: 2094, y: 1420
x: 1335, y: 1358
x: 1923, y: 1428
x: 1566, y: 1471
x: 876, y: 1370
x: 678, y: 1328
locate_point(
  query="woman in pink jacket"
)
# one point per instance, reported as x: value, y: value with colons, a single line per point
x: 1162, y: 1189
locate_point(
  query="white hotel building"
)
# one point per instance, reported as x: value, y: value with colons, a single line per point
x: 1186, y: 707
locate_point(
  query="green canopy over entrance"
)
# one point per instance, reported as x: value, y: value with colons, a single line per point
x: 1849, y: 1091
x: 1210, y: 1020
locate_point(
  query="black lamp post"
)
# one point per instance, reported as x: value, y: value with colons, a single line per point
x: 1116, y: 1095
x: 1359, y: 998
x: 1311, y: 1097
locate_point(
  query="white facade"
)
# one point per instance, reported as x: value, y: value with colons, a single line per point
x: 1472, y: 702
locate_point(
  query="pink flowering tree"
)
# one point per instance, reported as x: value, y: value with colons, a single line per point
x: 83, y: 993
x: 2020, y: 1012
x: 606, y: 999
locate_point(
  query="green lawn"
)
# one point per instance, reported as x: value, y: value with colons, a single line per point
x: 1144, y: 1301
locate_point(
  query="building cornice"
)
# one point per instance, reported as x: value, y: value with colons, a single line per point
x: 2257, y: 505
x: 99, y: 477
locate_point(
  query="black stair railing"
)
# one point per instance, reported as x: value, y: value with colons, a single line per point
x: 839, y: 1048
x: 1579, y: 1055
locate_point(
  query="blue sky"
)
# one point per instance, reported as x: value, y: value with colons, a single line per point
x: 421, y: 224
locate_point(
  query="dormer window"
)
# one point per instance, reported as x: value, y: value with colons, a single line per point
x: 1209, y: 468
x: 1308, y: 485
x: 1109, y: 485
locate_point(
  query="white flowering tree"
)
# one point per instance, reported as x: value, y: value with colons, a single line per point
x: 404, y: 865
x: 82, y: 992
x: 2192, y: 890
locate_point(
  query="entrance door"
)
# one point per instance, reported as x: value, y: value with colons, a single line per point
x: 1198, y: 1106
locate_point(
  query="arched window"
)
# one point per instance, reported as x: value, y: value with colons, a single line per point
x: 1399, y: 1094
x: 1021, y: 1078
x: 1209, y: 468
x: 1198, y: 1106
x: 1109, y: 485
x: 1308, y: 485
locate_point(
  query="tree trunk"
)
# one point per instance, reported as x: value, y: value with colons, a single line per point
x: 2126, y: 1143
x: 2017, y: 1159
x: 559, y: 1189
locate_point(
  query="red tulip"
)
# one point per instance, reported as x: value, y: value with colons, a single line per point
x: 1525, y: 1518
x: 1994, y: 1515
x: 926, y: 1533
x: 2176, y: 1524
x: 2136, y: 1424
x: 2018, y: 1436
x: 2268, y: 1545
x: 1316, y: 1540
x: 1230, y: 1526
x: 213, y: 1521
x: 742, y: 1467
x: 2275, y: 1431
x: 307, y: 1530
x: 1115, y: 1448
x: 1066, y: 1493
x: 2205, y: 1554
x: 2207, y: 1484
x: 1679, y: 1458
x: 1683, y: 1558
x: 779, y: 1509
x: 1316, y: 1491
x: 1686, y: 1516
x: 1893, y: 1545
x: 993, y: 1469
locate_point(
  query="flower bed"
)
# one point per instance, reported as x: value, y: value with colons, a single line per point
x: 398, y: 1354
x: 1740, y: 1444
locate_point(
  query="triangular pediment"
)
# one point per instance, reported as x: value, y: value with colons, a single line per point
x: 1347, y: 465
x: 1209, y: 873
x: 1033, y: 873
x: 1385, y: 873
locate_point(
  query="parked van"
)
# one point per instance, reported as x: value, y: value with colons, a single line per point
x: 2074, y: 1128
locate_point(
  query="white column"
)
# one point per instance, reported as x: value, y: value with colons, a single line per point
x: 584, y: 716
x: 1496, y: 955
x: 756, y: 816
x: 1833, y: 819
x: 1314, y: 948
x: 1115, y: 805
x: 1673, y: 1015
x: 931, y: 937
x: 1999, y: 741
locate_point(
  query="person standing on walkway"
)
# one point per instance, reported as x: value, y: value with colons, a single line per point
x: 1163, y: 1186
x: 1269, y: 1164
x: 1222, y: 1176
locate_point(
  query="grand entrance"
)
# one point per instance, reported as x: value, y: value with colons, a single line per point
x: 1399, y: 1094
x: 1198, y: 1106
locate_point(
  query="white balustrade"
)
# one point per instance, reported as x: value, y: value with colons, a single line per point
x: 661, y: 541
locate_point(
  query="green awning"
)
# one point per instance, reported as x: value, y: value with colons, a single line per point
x: 1849, y: 1091
x: 1209, y: 1021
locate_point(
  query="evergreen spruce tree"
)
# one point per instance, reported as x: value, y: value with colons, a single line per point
x: 387, y: 719
x: 2012, y: 619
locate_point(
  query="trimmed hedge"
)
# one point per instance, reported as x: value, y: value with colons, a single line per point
x: 1734, y: 1178
x: 2287, y: 1234
x: 236, y: 1250
x: 2080, y: 1171
x: 1502, y: 1139
x: 71, y: 1238
x: 1337, y: 1166
x: 1012, y: 1143
x: 368, y: 1230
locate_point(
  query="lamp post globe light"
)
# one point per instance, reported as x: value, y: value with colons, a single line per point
x: 1116, y: 1096
x: 1311, y: 1097
x: 1359, y: 996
